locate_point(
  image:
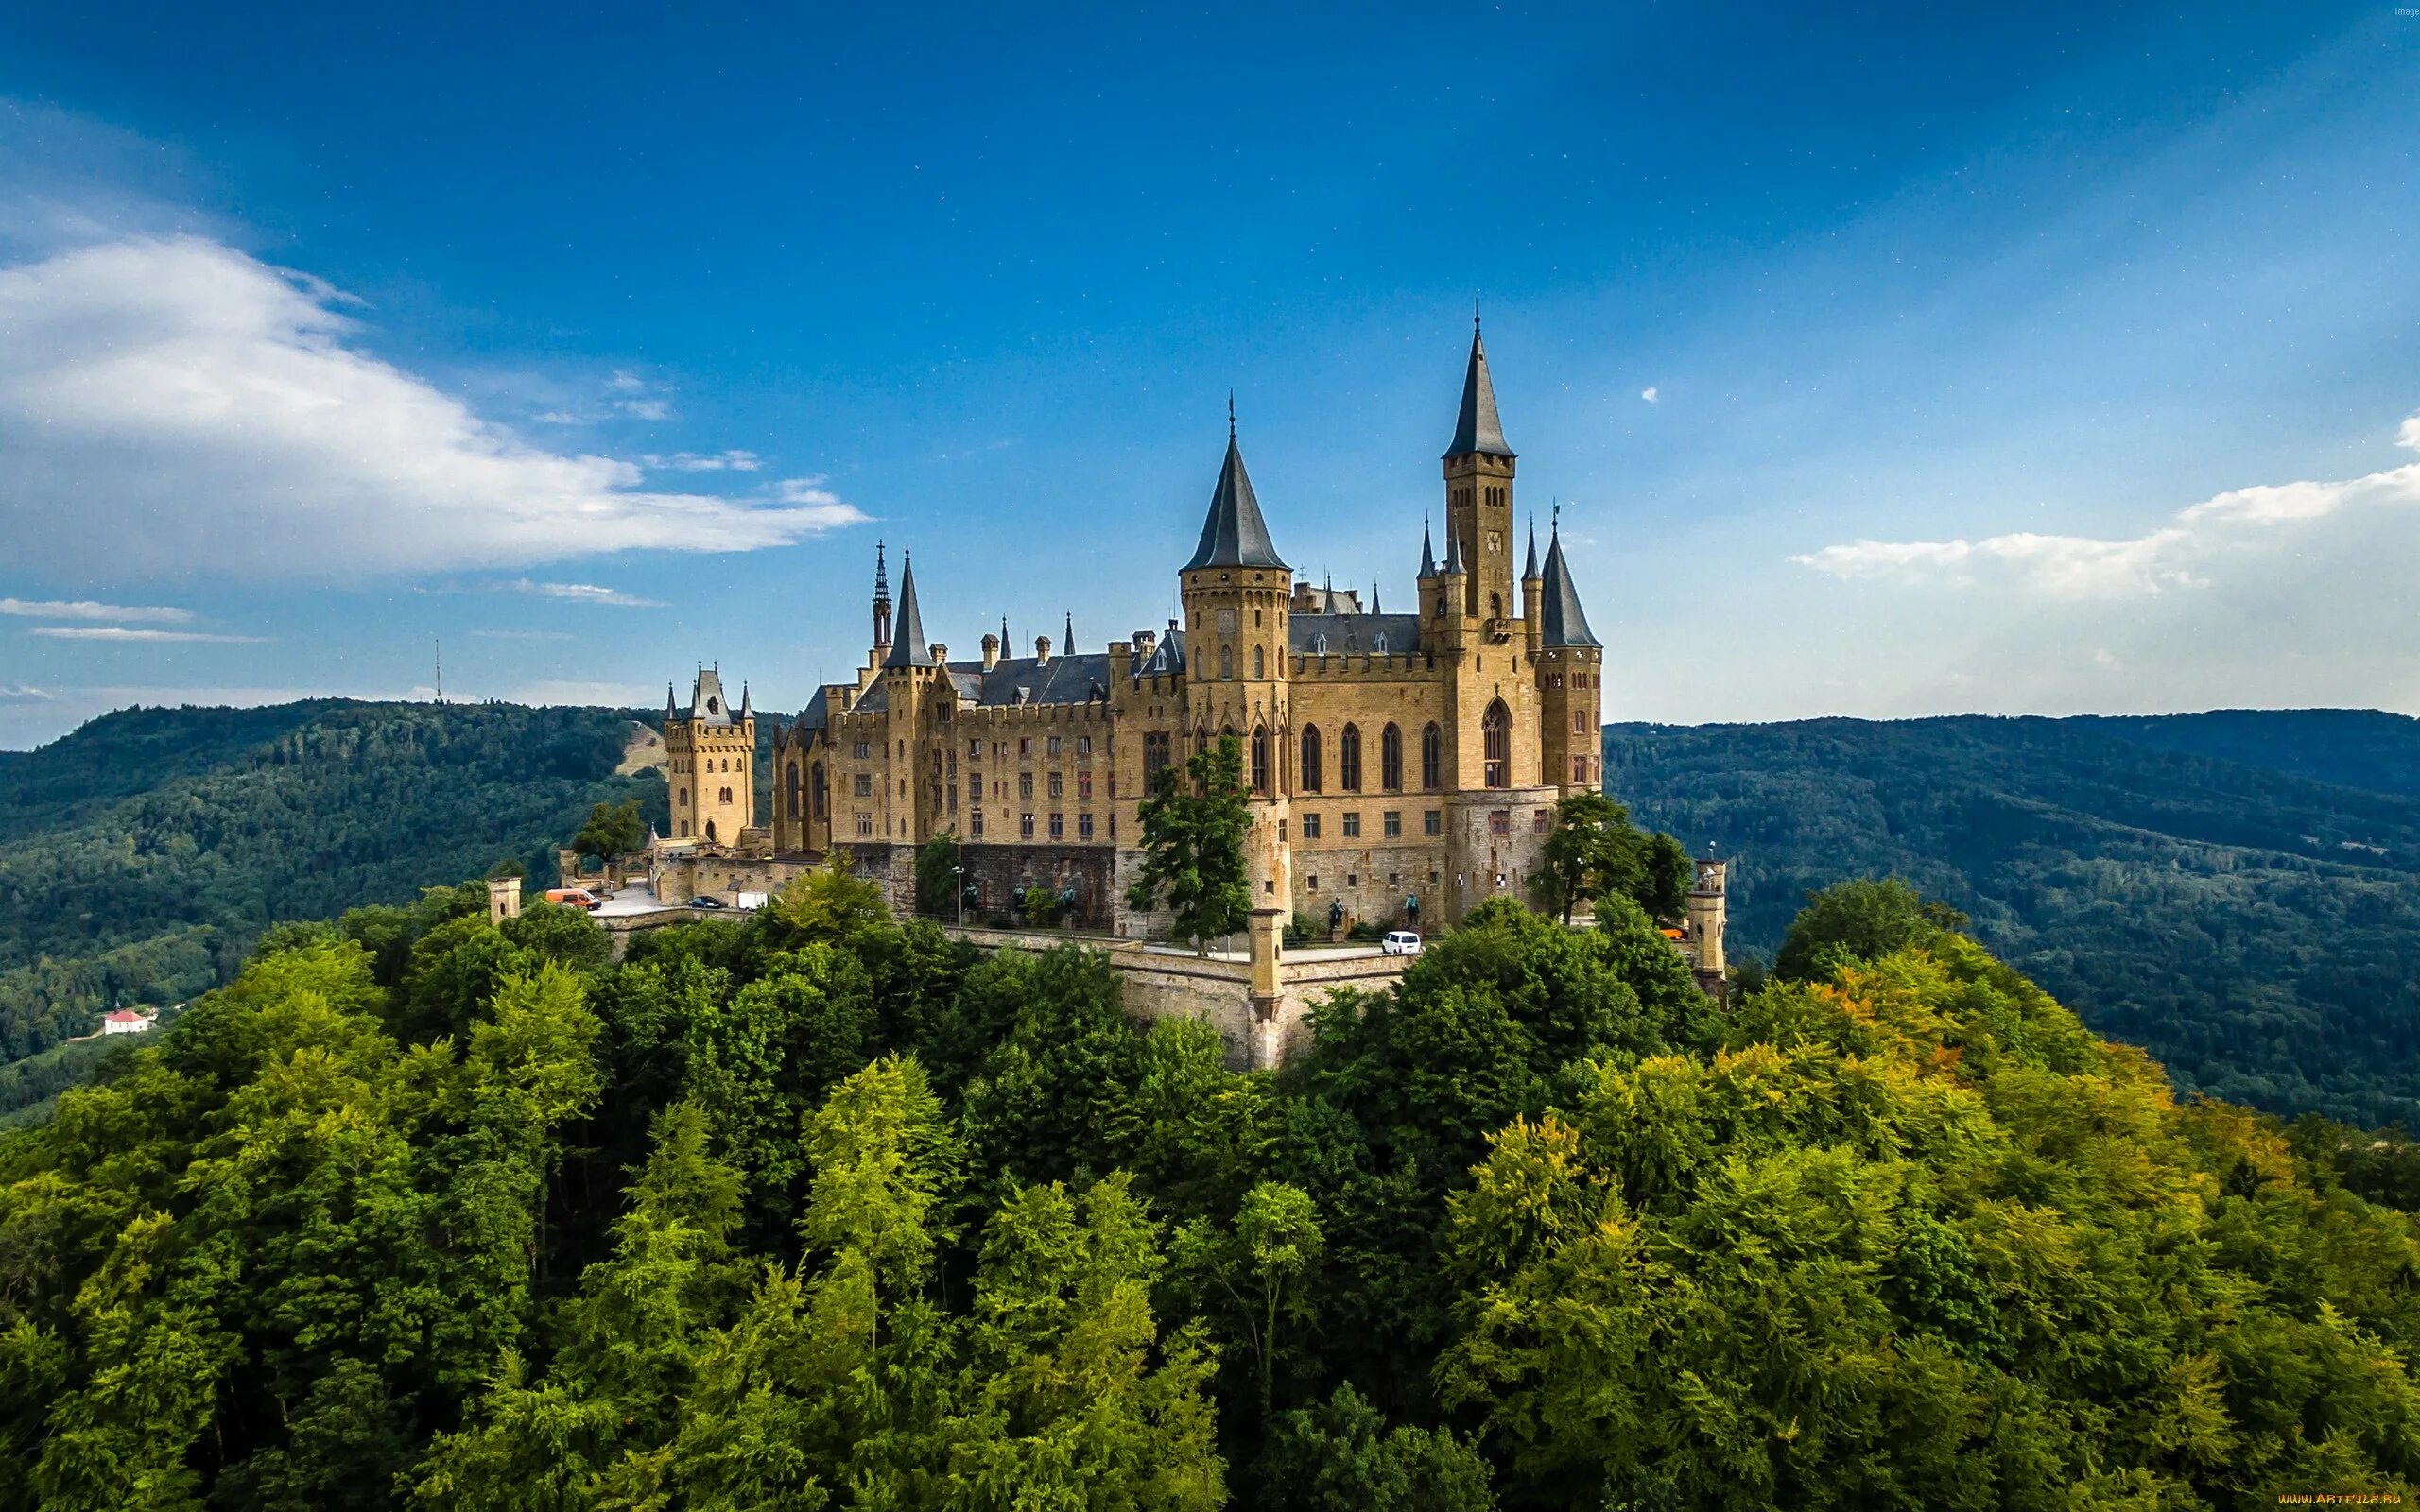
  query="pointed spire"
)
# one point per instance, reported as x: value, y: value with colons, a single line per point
x: 908, y: 647
x: 1529, y: 570
x: 671, y: 710
x: 1453, y: 567
x: 1565, y: 622
x: 1067, y: 635
x: 1234, y: 533
x: 1427, y: 556
x: 881, y: 577
x: 744, y: 708
x: 1374, y: 598
x: 1476, y: 429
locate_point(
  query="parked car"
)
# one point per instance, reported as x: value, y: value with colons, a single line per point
x: 707, y: 900
x: 574, y: 898
x: 1399, y: 942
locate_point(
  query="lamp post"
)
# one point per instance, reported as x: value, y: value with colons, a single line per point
x: 958, y: 882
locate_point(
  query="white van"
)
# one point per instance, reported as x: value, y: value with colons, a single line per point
x: 1399, y: 942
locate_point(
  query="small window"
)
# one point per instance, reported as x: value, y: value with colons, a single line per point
x: 1084, y: 786
x: 1025, y: 785
x: 1311, y: 826
x: 1024, y: 744
x: 1353, y: 825
x: 1083, y: 826
x: 975, y: 824
x: 1352, y: 879
x: 1500, y: 821
x: 974, y: 751
x: 1311, y: 882
x: 1432, y: 822
x: 863, y: 749
x: 1053, y: 747
x: 1083, y: 744
x: 863, y: 785
x: 865, y: 825
x: 1541, y: 821
x: 975, y: 785
x: 1058, y: 784
x: 1580, y: 769
x: 1057, y: 827
x: 1025, y: 825
x: 1393, y: 823
x: 1259, y: 662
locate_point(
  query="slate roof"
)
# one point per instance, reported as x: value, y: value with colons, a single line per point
x: 1167, y: 659
x: 908, y: 647
x: 1476, y: 429
x: 1234, y: 533
x: 1564, y: 624
x: 816, y: 715
x: 1352, y: 634
x: 1024, y: 681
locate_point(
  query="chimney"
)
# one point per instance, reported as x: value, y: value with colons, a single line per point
x: 991, y: 651
x: 1042, y: 650
x: 941, y: 654
x: 1145, y: 641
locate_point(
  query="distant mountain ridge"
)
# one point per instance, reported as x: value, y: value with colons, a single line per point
x: 2238, y: 891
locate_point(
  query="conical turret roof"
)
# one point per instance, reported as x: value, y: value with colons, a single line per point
x: 1565, y: 624
x: 1234, y: 535
x: 908, y: 647
x: 1476, y: 429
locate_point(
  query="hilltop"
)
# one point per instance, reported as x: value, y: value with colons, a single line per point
x: 2239, y: 892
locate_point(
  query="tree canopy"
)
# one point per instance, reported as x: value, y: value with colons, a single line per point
x: 1193, y: 845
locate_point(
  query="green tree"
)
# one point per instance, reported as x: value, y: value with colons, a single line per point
x: 1259, y: 1270
x: 1595, y: 852
x: 1193, y: 845
x: 613, y: 831
x: 937, y: 874
x: 1339, y: 1456
x: 1859, y: 920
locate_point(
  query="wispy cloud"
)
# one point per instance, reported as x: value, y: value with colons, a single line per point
x: 523, y: 635
x: 2193, y: 550
x: 121, y: 632
x: 84, y: 608
x: 729, y: 462
x: 20, y: 693
x: 1651, y: 393
x: 193, y: 409
x: 585, y: 594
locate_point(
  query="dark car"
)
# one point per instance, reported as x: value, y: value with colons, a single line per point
x: 702, y: 900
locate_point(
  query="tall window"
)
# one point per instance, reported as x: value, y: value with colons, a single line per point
x: 1497, y: 730
x: 1155, y: 759
x: 1310, y: 773
x: 791, y: 787
x: 1390, y: 759
x: 1259, y: 662
x: 1260, y: 761
x: 1432, y: 758
x: 1348, y: 759
x: 823, y: 792
x: 1226, y: 664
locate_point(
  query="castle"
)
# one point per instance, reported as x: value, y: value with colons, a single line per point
x: 1403, y: 767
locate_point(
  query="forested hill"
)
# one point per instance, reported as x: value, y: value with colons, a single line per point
x: 2239, y: 892
x: 140, y: 855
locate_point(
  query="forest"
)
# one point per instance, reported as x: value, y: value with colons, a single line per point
x: 819, y: 1208
x: 2236, y: 892
x: 141, y: 855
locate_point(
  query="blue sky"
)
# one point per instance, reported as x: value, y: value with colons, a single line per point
x: 1888, y: 360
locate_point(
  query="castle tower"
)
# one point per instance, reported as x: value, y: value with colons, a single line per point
x: 881, y: 610
x: 1570, y: 666
x: 710, y: 753
x: 1478, y: 498
x: 1706, y: 905
x: 1236, y: 589
x: 915, y: 681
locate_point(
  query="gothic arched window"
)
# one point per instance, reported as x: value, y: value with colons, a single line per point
x: 1348, y: 760
x: 1390, y: 759
x: 1260, y: 761
x: 1498, y: 731
x: 790, y: 787
x: 1310, y: 774
x: 1259, y: 662
x: 822, y: 791
x: 1226, y: 664
x: 1432, y: 757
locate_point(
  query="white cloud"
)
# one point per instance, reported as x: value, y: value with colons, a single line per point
x: 730, y: 461
x: 1650, y: 394
x: 20, y: 693
x: 609, y: 695
x: 586, y: 593
x: 84, y: 608
x: 2226, y: 535
x: 120, y: 633
x: 191, y: 409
